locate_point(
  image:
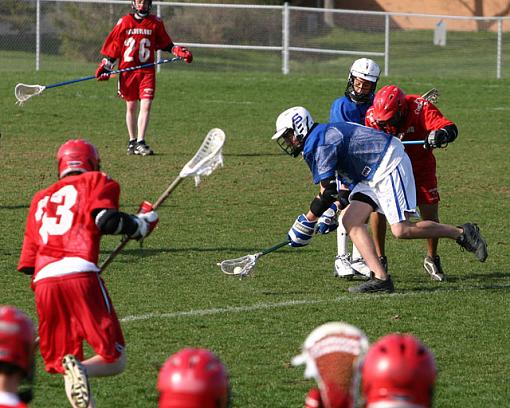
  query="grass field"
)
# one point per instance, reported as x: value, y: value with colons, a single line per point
x: 171, y: 294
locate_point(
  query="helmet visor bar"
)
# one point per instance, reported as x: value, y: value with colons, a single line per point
x: 289, y: 143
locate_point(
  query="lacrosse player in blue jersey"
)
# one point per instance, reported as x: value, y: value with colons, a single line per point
x: 352, y: 107
x: 381, y: 172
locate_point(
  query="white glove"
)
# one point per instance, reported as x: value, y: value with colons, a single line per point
x: 146, y: 224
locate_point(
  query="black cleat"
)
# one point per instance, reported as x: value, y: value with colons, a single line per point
x: 131, y: 147
x: 472, y: 240
x: 374, y: 285
x: 143, y: 149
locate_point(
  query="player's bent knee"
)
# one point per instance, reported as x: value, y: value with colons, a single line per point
x: 400, y: 230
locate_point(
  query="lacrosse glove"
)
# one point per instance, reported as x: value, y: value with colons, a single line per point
x: 301, y: 232
x: 328, y: 222
x: 182, y: 52
x: 104, y: 70
x: 147, y: 219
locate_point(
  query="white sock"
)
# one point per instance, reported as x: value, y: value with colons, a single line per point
x: 341, y: 237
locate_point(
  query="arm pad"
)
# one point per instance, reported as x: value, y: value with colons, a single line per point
x: 113, y: 222
x: 451, y: 132
x: 324, y: 200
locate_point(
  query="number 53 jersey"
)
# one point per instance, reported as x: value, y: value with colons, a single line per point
x: 61, y: 236
x: 134, y: 42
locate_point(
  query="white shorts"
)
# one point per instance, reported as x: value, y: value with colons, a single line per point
x: 395, y: 194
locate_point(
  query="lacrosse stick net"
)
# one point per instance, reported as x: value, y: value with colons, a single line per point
x: 244, y: 266
x: 432, y: 95
x: 208, y: 157
x: 24, y: 92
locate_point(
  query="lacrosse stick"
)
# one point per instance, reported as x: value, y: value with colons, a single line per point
x: 413, y: 142
x: 207, y: 159
x: 432, y: 95
x: 244, y: 265
x: 24, y: 92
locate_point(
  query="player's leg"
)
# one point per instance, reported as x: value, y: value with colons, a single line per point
x: 432, y: 262
x: 146, y: 90
x: 131, y: 120
x: 378, y: 227
x: 342, y: 266
x: 128, y: 90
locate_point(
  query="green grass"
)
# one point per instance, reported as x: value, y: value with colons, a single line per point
x: 172, y: 287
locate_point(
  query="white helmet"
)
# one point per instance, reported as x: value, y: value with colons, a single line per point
x: 368, y: 70
x: 292, y: 127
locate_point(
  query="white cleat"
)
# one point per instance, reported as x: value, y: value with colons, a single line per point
x: 360, y: 267
x: 76, y: 381
x: 343, y: 268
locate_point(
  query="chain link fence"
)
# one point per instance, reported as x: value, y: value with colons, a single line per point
x: 67, y: 35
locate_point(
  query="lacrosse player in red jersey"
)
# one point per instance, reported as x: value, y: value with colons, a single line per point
x: 380, y: 170
x: 411, y: 117
x: 398, y: 372
x: 193, y: 378
x: 17, y: 348
x: 331, y: 353
x: 61, y: 250
x: 134, y: 41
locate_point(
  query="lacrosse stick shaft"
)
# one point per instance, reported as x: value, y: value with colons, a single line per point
x: 125, y: 240
x: 274, y: 248
x: 413, y: 142
x: 118, y: 71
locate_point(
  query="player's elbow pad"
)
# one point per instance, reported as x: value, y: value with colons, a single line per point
x: 113, y: 222
x: 328, y: 196
x: 451, y: 132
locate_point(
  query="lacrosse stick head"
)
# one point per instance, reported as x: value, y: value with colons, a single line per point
x: 208, y: 157
x: 331, y: 354
x: 432, y: 95
x: 24, y: 92
x: 240, y: 266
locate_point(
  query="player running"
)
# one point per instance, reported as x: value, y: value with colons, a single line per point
x: 411, y: 117
x: 61, y: 250
x: 381, y: 171
x: 134, y: 41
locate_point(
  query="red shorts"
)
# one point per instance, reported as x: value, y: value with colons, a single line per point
x: 72, y: 309
x: 137, y: 85
x: 426, y: 187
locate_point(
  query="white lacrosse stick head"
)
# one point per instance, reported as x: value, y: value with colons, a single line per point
x: 240, y: 266
x: 208, y: 157
x: 24, y: 92
x: 331, y: 354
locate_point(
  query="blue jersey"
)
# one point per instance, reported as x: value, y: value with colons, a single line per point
x: 347, y: 150
x: 345, y: 110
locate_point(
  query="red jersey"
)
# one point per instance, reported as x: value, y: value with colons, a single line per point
x: 422, y: 118
x: 134, y: 42
x: 61, y: 236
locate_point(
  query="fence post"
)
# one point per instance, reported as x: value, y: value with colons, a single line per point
x: 285, y: 38
x: 386, y: 44
x: 37, y: 34
x: 500, y: 45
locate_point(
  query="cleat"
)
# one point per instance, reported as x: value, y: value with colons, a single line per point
x: 374, y: 285
x: 360, y: 267
x: 143, y: 149
x: 432, y: 265
x: 131, y: 147
x: 77, y: 383
x: 343, y: 268
x: 472, y: 241
x: 384, y: 262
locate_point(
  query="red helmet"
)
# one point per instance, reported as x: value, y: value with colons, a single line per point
x: 193, y: 378
x: 398, y: 371
x: 389, y: 108
x: 77, y: 155
x: 17, y: 337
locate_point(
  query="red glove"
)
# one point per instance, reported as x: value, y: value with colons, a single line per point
x: 149, y: 218
x: 313, y: 399
x: 182, y: 52
x: 104, y: 70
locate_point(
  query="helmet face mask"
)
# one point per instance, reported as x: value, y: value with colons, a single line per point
x: 292, y: 128
x: 141, y: 8
x: 362, y: 81
x: 77, y: 156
